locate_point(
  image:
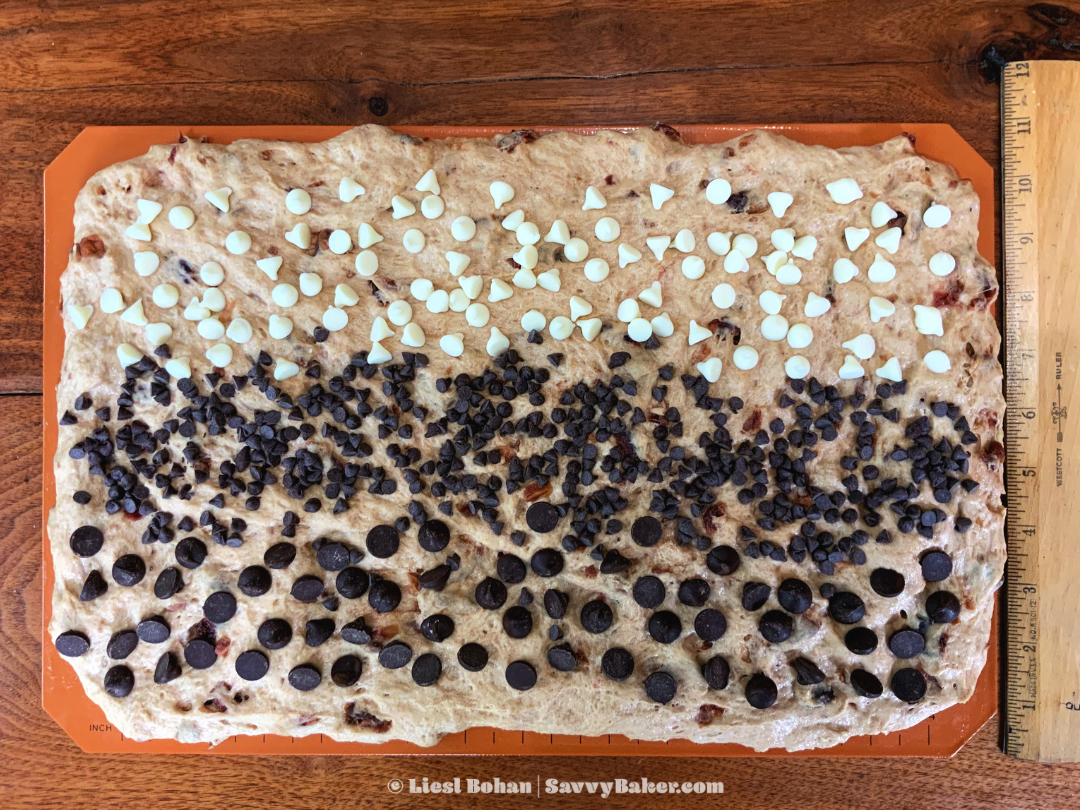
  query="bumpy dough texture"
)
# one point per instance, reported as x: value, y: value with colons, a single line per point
x: 550, y: 175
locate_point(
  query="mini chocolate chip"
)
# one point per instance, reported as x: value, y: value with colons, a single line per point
x: 723, y: 560
x: 437, y: 627
x: 167, y: 669
x: 274, y: 634
x: 547, y: 562
x: 86, y: 541
x: 353, y: 582
x: 346, y: 670
x: 909, y: 685
x: 122, y: 644
x: 755, y: 595
x: 119, y: 681
x: 861, y: 640
x: 617, y: 664
x: 490, y: 594
x: 517, y: 622
x: 384, y: 596
x: 128, y: 570
x: 200, y: 654
x: 716, y: 672
x: 154, y: 630
x: 665, y: 627
x: 307, y: 588
x: 434, y: 536
x: 279, y: 555
x: 521, y: 675
x: 660, y: 687
x: 252, y: 665
x: 472, y: 656
x: 760, y: 691
x: 596, y: 616
x: 395, y: 655
x: 646, y: 531
x: 304, y: 677
x: 865, y: 683
x: 332, y: 556
x: 542, y: 517
x: 942, y: 607
x: 710, y: 624
x: 794, y: 596
x: 907, y: 643
x: 219, y: 607
x: 382, y: 541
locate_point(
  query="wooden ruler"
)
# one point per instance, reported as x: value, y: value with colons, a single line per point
x: 1041, y: 210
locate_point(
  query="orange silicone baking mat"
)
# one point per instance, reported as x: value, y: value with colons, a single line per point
x: 63, y: 697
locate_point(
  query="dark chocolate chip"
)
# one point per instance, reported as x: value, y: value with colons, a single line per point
x: 356, y: 632
x: 665, y: 627
x: 154, y: 630
x: 807, y: 672
x: 617, y: 663
x: 555, y: 603
x: 710, y: 624
x: 200, y: 654
x: 542, y: 517
x: 346, y: 670
x: 760, y: 691
x: 279, y: 555
x: 649, y: 592
x: 72, y: 643
x: 907, y: 643
x: 510, y: 568
x: 86, y: 541
x: 521, y: 675
x: 517, y: 622
x: 547, y: 562
x: 562, y: 658
x: 219, y: 607
x: 660, y: 687
x: 694, y: 592
x: 794, y: 596
x: 304, y: 677
x: 426, y: 669
x: 384, y: 596
x: 254, y: 581
x: 191, y: 552
x: 942, y: 607
x: 332, y: 556
x: 865, y: 683
x: 887, y: 582
x: 646, y: 531
x: 723, y: 560
x: 167, y: 669
x: 122, y: 644
x: 472, y: 656
x: 274, y: 633
x: 252, y: 665
x: 395, y: 655
x: 437, y: 627
x: 128, y: 570
x: 94, y: 586
x: 318, y: 631
x: 755, y: 595
x: 716, y: 672
x: 596, y: 616
x: 776, y: 626
x: 909, y: 685
x: 353, y: 582
x: 382, y: 541
x: 490, y: 594
x: 861, y: 640
x: 119, y: 681
x: 307, y: 588
x: 847, y: 607
x: 936, y: 566
x: 434, y: 536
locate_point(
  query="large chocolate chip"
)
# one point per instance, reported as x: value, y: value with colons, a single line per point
x: 346, y: 670
x: 510, y: 568
x: 200, y: 654
x: 280, y: 555
x: 333, y: 556
x: 646, y: 531
x: 384, y: 596
x: 716, y: 672
x: 776, y: 626
x: 154, y: 630
x: 694, y: 592
x: 472, y: 656
x: 909, y: 685
x: 94, y: 586
x: 128, y: 570
x: 274, y: 633
x: 356, y: 632
x: 122, y: 644
x: 490, y: 594
x: 382, y: 541
x: 318, y: 631
x: 907, y: 643
x: 887, y: 582
x: 807, y: 672
x: 847, y: 607
x: 861, y: 640
x: 219, y: 607
x: 665, y: 627
x: 304, y: 677
x: 760, y: 691
x: 307, y: 588
x: 72, y: 643
x: 252, y: 665
x: 517, y: 622
x: 710, y: 625
x: 167, y: 669
x: 352, y: 582
x: 562, y: 658
x: 865, y: 683
x: 649, y: 592
x: 168, y: 583
x: 191, y: 552
x: 942, y: 607
x: 547, y: 562
x: 426, y: 669
x: 794, y: 596
x: 86, y: 541
x: 437, y: 627
x: 434, y: 536
x: 936, y: 566
x: 542, y: 517
x: 755, y: 595
x: 119, y: 681
x: 596, y: 616
x: 723, y: 560
x: 660, y: 687
x: 254, y: 581
x: 395, y: 655
x: 617, y: 663
x: 521, y: 675
x: 555, y: 603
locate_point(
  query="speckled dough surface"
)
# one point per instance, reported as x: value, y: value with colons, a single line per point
x: 777, y: 499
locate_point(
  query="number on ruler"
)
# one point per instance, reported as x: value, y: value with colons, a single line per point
x: 1023, y: 182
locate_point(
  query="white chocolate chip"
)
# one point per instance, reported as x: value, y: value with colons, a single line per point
x: 497, y: 343
x: 112, y: 300
x: 527, y: 233
x: 211, y: 329
x: 881, y: 271
x: 238, y: 243
x: 513, y: 220
x: 421, y: 289
x: 139, y: 232
x: 684, y: 241
x: 310, y: 284
x: 220, y: 355
x: 550, y: 280
x: 559, y: 233
x: 335, y: 319
x: 783, y: 239
x: 800, y: 336
x: 459, y: 301
x: 561, y: 327
x: 774, y: 327
x: 212, y: 274
x: 214, y: 300
x: 380, y: 329
x: 219, y: 198
x: 429, y: 182
x: 779, y: 202
x: 298, y: 202
x: 576, y: 250
x: 402, y: 208
x: 590, y: 328
x: 148, y: 211
x: 718, y: 191
x: 653, y: 296
x: 788, y: 274
x: 862, y: 346
x: 339, y: 242
x: 527, y: 257
x: 607, y: 229
x: 628, y: 254
x: 499, y: 290
x: 524, y: 279
x: 880, y: 214
x: 134, y: 314
x: 284, y: 369
x: 477, y: 315
x: 348, y: 190
x: 723, y: 296
x: 660, y: 195
x: 928, y: 320
x: 399, y: 312
x: 472, y: 285
x: 937, y: 361
x: 941, y: 264
x: 658, y: 244
x: 181, y: 217
x: 378, y: 354
x: 158, y: 333
x: 300, y: 235
x: 693, y: 267
x: 367, y: 263
x: 501, y: 193
x: 745, y: 357
x: 735, y: 262
x: 889, y: 240
x: 639, y: 329
x: 439, y: 301
x: 881, y: 308
x: 596, y: 270
x: 851, y: 370
x: 844, y: 270
x: 628, y: 310
x: 270, y: 266
x: 775, y: 260
x: 662, y: 325
x: 413, y: 240
x: 345, y: 296
x: 579, y: 307
x: 797, y: 367
x: 432, y: 207
x: 165, y: 296
x: 719, y: 243
x: 698, y: 333
x: 179, y: 368
x: 844, y: 191
x: 128, y: 354
x: 366, y: 236
x: 79, y: 314
x: 147, y: 262
x: 458, y: 262
x: 804, y: 247
x: 195, y: 311
x: 533, y: 321
x: 413, y: 336
x: 745, y: 244
x: 771, y: 302
x: 816, y: 306
x: 936, y: 216
x: 855, y: 237
x: 239, y: 330
x: 285, y: 295
x: 891, y: 370
x: 594, y: 200
x: 710, y: 369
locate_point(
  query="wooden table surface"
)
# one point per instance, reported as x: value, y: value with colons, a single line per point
x: 66, y: 65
